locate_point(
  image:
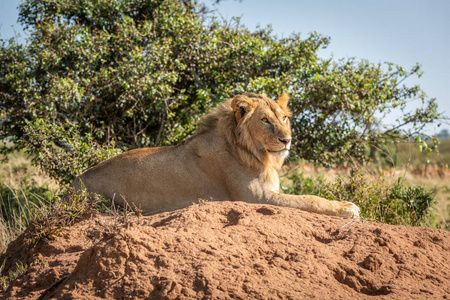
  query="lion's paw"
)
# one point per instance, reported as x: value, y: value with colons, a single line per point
x: 346, y: 209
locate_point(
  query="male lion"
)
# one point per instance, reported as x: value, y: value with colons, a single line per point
x: 235, y: 155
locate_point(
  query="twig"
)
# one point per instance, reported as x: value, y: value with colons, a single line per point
x: 349, y: 224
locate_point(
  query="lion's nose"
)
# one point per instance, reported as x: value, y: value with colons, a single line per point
x: 285, y: 140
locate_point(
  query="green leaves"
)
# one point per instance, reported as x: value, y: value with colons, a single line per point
x: 346, y: 101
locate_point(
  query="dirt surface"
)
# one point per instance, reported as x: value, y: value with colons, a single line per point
x: 233, y: 250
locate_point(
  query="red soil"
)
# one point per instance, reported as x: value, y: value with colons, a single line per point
x: 220, y: 250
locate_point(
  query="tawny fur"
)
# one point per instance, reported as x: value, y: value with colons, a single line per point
x: 235, y: 155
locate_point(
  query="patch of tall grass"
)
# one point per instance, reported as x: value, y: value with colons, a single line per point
x: 18, y: 206
x: 24, y: 190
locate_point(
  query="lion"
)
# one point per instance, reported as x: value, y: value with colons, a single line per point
x: 234, y: 155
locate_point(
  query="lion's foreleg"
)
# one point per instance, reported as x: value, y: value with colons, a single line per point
x: 315, y: 204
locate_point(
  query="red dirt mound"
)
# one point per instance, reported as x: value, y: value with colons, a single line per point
x: 220, y: 250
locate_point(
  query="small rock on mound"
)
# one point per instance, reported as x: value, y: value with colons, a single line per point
x: 220, y: 250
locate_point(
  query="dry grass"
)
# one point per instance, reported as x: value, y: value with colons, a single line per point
x: 18, y: 169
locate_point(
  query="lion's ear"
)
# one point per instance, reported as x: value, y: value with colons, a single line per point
x: 241, y: 105
x: 283, y: 100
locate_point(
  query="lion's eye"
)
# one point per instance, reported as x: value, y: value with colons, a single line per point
x: 265, y: 120
x: 284, y: 119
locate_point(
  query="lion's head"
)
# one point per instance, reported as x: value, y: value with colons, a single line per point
x: 257, y: 126
x: 262, y: 125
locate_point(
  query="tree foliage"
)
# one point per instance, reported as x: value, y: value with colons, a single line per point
x: 143, y: 72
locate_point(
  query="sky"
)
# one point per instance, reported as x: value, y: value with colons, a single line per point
x: 403, y: 32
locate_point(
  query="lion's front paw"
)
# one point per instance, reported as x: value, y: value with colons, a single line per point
x: 346, y: 209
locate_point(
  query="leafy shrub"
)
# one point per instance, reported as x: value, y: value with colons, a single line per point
x: 64, y: 159
x: 143, y: 72
x: 380, y: 200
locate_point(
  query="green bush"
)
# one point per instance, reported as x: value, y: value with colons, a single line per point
x: 388, y: 202
x: 143, y: 72
x: 63, y: 160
